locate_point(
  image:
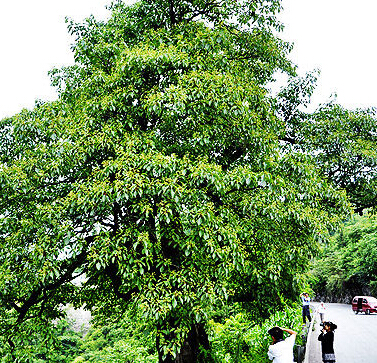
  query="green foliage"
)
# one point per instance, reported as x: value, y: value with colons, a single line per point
x: 347, y: 266
x: 61, y: 345
x: 130, y: 339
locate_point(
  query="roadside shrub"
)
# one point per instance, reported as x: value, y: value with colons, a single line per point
x: 238, y: 340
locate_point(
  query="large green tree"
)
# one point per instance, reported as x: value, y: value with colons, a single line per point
x: 158, y: 178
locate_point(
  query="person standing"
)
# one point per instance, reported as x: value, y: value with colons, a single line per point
x: 327, y: 342
x: 321, y: 311
x: 281, y: 350
x: 305, y: 307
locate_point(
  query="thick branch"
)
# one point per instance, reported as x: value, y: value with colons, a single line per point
x: 39, y: 294
x: 172, y: 12
x: 112, y: 272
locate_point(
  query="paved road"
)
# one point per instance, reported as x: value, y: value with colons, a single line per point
x: 355, y: 338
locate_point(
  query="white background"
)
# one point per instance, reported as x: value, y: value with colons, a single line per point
x: 33, y: 40
x: 336, y: 36
x: 340, y: 38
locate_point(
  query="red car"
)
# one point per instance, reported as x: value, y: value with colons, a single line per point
x: 364, y: 304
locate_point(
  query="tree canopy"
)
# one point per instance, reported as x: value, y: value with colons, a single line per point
x: 342, y: 143
x: 158, y: 179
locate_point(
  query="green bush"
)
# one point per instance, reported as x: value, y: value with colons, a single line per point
x: 238, y: 340
x: 128, y: 340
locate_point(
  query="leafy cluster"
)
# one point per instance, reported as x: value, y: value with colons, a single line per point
x: 62, y: 345
x: 341, y: 142
x: 127, y: 339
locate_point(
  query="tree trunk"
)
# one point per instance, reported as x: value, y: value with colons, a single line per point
x: 190, y: 352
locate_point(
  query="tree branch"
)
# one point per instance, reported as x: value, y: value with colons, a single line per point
x: 112, y: 272
x: 35, y: 297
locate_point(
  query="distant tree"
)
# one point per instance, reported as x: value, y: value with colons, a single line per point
x: 346, y: 142
x: 159, y: 178
x: 342, y: 143
x: 348, y: 265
